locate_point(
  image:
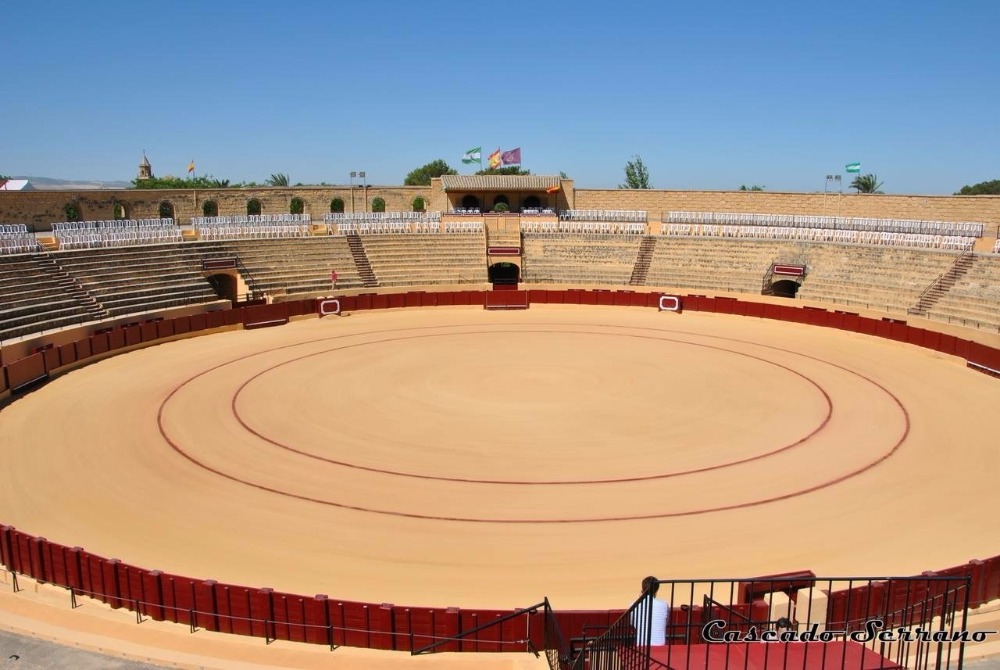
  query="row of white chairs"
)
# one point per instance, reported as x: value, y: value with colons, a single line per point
x: 916, y: 240
x: 584, y: 227
x: 463, y: 227
x: 961, y: 228
x: 104, y: 238
x: 465, y: 210
x: 532, y: 211
x: 23, y: 244
x: 611, y: 215
x: 385, y: 227
x: 116, y: 224
x: 254, y: 231
x: 13, y: 230
x: 265, y: 219
x: 375, y: 217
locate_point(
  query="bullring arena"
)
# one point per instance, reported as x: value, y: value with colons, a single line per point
x: 412, y: 455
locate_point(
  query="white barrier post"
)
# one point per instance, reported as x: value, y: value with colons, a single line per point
x: 670, y: 303
x: 331, y: 302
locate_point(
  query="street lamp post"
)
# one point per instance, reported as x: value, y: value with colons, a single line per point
x: 826, y: 189
x: 353, y: 175
x: 364, y: 188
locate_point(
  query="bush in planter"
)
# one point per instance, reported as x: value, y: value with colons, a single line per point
x: 500, y: 207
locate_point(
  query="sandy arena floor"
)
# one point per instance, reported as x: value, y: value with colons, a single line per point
x: 455, y: 456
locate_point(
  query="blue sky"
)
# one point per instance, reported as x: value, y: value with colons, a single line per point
x: 711, y: 95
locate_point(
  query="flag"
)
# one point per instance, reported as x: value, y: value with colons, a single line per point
x: 473, y: 156
x: 495, y: 160
x: 190, y: 167
x: 552, y: 189
x: 853, y: 167
x: 512, y: 157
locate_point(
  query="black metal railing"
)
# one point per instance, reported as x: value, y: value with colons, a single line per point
x: 793, y: 621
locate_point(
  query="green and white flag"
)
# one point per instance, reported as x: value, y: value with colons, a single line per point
x: 473, y: 156
x: 853, y: 167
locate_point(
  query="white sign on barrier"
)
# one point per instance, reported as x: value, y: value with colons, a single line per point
x: 333, y: 304
x: 670, y: 303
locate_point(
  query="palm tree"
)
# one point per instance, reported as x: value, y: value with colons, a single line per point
x: 868, y: 183
x: 279, y: 179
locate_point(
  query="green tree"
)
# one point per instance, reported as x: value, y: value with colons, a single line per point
x: 207, y: 181
x: 278, y: 179
x: 744, y: 187
x: 510, y: 169
x: 378, y: 204
x: 982, y: 188
x: 867, y: 183
x: 636, y: 174
x: 422, y: 175
x: 297, y: 206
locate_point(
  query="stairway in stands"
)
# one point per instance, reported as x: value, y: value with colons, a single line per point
x: 368, y: 279
x: 642, y: 260
x: 71, y: 286
x: 940, y: 286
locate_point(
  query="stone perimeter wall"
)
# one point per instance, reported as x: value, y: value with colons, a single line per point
x: 42, y: 208
x: 972, y: 208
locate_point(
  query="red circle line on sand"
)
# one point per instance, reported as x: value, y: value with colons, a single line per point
x: 559, y: 482
x: 722, y: 508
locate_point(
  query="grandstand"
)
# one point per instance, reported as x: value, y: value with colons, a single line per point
x: 35, y: 297
x: 294, y: 266
x: 105, y: 273
x: 587, y: 259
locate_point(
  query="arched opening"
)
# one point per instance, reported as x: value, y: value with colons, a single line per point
x: 378, y: 204
x: 224, y: 285
x: 419, y: 204
x: 470, y: 202
x: 785, y: 288
x: 253, y: 207
x: 166, y: 210
x: 504, y: 273
x: 501, y: 199
x: 210, y: 208
x: 297, y: 206
x: 337, y: 206
x: 532, y: 201
x: 120, y: 212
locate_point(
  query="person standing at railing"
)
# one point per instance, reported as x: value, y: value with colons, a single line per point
x: 650, y: 615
